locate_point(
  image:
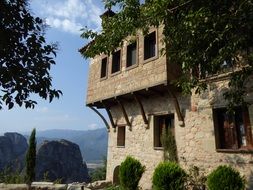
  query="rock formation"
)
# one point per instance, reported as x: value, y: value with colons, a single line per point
x: 13, y: 147
x: 61, y: 160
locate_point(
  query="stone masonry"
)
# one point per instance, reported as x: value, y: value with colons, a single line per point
x: 195, y: 141
x: 128, y: 79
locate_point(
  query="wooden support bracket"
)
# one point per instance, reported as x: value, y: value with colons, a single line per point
x: 137, y: 99
x: 101, y: 116
x: 124, y: 112
x: 177, y: 107
x: 109, y: 115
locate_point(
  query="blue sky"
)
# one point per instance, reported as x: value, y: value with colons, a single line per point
x: 70, y: 74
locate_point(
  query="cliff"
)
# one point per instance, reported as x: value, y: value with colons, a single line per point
x: 61, y: 160
x: 13, y: 147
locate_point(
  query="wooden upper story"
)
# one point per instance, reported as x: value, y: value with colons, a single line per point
x: 137, y: 65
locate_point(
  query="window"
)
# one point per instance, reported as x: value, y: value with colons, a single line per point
x: 162, y: 122
x: 227, y: 66
x: 103, y: 68
x: 131, y: 54
x: 232, y: 130
x: 121, y: 136
x: 150, y: 46
x: 116, y: 61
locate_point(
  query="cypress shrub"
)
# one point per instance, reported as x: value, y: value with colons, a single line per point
x: 225, y: 177
x: 169, y: 176
x: 130, y: 173
x: 31, y: 158
x: 169, y: 145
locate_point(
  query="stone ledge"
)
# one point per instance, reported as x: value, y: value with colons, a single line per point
x: 99, y: 184
x: 34, y: 186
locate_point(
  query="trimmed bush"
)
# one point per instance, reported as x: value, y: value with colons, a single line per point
x: 225, y: 177
x: 169, y: 176
x: 130, y: 173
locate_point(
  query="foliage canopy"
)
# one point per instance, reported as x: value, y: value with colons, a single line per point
x: 199, y: 35
x: 25, y: 57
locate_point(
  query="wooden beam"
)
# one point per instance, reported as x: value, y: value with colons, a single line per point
x: 177, y: 107
x: 137, y: 99
x: 160, y: 93
x: 108, y: 111
x: 124, y: 112
x: 125, y: 99
x: 110, y: 116
x: 141, y: 94
x: 101, y: 116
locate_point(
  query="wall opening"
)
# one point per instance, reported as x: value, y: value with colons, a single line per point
x: 116, y: 61
x: 116, y: 176
x: 121, y: 136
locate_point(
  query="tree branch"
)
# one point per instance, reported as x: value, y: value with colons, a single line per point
x: 183, y: 4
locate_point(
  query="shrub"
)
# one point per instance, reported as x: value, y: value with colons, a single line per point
x: 113, y: 188
x: 130, y: 173
x: 99, y: 173
x: 196, y: 180
x: 169, y: 176
x: 225, y: 177
x: 11, y: 177
x: 31, y: 158
x: 169, y: 145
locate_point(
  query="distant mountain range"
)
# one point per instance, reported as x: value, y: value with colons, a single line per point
x: 92, y: 143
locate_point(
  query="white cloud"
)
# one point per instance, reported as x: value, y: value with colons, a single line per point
x: 43, y: 110
x: 93, y: 126
x: 71, y: 15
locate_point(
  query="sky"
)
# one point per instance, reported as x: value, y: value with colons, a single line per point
x: 70, y: 74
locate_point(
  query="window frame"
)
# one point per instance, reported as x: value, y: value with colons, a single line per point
x: 235, y: 131
x: 156, y: 47
x: 137, y: 55
x: 121, y: 128
x: 120, y: 62
x: 157, y: 129
x: 101, y: 67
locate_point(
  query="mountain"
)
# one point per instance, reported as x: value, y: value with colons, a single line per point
x: 61, y: 159
x: 57, y: 159
x: 92, y: 143
x: 13, y: 147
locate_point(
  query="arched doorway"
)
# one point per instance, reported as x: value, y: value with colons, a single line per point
x: 116, y: 176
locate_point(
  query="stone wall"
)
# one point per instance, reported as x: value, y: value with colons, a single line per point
x: 195, y: 141
x: 128, y: 79
x: 139, y: 140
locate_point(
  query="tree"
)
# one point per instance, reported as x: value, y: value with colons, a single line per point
x: 99, y: 173
x: 31, y: 158
x: 198, y: 35
x: 25, y: 57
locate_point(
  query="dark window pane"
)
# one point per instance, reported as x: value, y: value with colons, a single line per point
x: 121, y: 136
x: 230, y: 128
x: 116, y: 62
x: 131, y: 54
x: 163, y: 122
x: 150, y: 46
x: 103, y: 68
